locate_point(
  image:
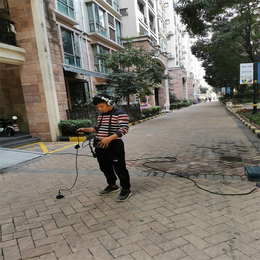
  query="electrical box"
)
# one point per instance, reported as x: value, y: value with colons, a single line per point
x: 253, y: 173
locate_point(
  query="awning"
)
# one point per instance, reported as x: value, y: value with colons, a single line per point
x: 84, y: 72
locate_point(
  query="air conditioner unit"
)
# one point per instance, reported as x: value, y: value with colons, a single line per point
x: 170, y: 33
x: 170, y: 56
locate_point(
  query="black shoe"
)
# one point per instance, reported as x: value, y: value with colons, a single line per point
x: 108, y: 190
x: 124, y: 195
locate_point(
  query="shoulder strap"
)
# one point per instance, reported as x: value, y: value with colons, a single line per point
x: 110, y: 120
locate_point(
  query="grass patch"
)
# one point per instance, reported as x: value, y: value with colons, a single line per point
x: 255, y: 118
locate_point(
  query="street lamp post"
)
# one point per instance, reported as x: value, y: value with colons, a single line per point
x: 255, y: 87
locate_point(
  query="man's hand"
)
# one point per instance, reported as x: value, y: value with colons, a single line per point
x: 105, y: 141
x: 83, y: 130
x: 80, y: 131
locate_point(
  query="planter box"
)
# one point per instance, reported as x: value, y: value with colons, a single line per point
x: 229, y: 104
x: 237, y: 108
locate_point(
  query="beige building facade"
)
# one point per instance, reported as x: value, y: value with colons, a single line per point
x: 47, y: 55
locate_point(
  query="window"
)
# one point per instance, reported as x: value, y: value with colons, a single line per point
x: 100, y: 20
x: 118, y: 33
x: 99, y: 64
x: 105, y: 89
x: 116, y: 5
x: 78, y: 91
x: 70, y: 42
x: 104, y: 23
x: 141, y: 7
x: 97, y: 19
x: 66, y: 7
x: 111, y: 20
x: 112, y: 34
x: 91, y: 18
x: 167, y: 21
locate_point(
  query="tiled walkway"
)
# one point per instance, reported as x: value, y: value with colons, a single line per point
x: 166, y: 218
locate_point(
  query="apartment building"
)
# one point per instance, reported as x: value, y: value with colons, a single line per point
x: 47, y: 55
x: 47, y: 61
x: 182, y: 65
x: 157, y: 22
x: 140, y: 21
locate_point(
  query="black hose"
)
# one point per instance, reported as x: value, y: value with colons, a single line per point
x: 166, y: 159
x: 173, y: 159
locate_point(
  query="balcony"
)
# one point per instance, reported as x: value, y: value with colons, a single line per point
x: 151, y: 3
x: 11, y: 54
x: 7, y: 32
x: 114, y: 4
x: 109, y: 5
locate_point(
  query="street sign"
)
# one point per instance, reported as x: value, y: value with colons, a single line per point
x: 246, y: 73
x: 228, y: 90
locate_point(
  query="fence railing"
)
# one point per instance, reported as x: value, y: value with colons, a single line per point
x: 7, y: 32
x: 91, y: 112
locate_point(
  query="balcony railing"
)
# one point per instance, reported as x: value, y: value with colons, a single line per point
x: 7, y: 32
x: 114, y: 4
x: 151, y: 3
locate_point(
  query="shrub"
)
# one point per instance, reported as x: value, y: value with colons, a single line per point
x: 151, y: 111
x: 223, y: 100
x: 133, y: 119
x: 246, y: 94
x: 255, y: 118
x: 173, y: 98
x: 69, y: 127
x: 176, y: 105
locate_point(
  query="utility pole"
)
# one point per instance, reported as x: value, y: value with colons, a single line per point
x: 255, y: 87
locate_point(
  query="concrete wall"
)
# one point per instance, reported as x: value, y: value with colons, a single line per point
x: 177, y: 75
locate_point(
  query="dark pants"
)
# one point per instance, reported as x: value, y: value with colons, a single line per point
x: 112, y: 164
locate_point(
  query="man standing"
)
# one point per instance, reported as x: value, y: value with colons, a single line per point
x: 111, y: 125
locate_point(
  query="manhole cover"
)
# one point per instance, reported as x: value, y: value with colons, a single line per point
x: 231, y: 158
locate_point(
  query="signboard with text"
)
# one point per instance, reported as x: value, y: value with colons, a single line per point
x: 228, y: 90
x: 246, y: 73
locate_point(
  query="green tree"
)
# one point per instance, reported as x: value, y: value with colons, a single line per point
x: 224, y: 30
x: 133, y: 70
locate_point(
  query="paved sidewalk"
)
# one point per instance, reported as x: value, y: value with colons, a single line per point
x: 10, y: 157
x: 166, y: 218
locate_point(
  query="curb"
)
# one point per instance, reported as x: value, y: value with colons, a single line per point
x: 251, y: 127
x: 146, y: 119
x: 72, y: 139
x: 84, y: 138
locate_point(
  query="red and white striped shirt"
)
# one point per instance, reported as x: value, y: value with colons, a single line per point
x: 119, y: 124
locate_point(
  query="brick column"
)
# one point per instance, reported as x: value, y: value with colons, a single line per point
x: 41, y: 77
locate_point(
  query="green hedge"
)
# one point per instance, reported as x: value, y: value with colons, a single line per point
x: 255, y: 118
x: 151, y: 111
x: 179, y: 105
x: 69, y: 127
